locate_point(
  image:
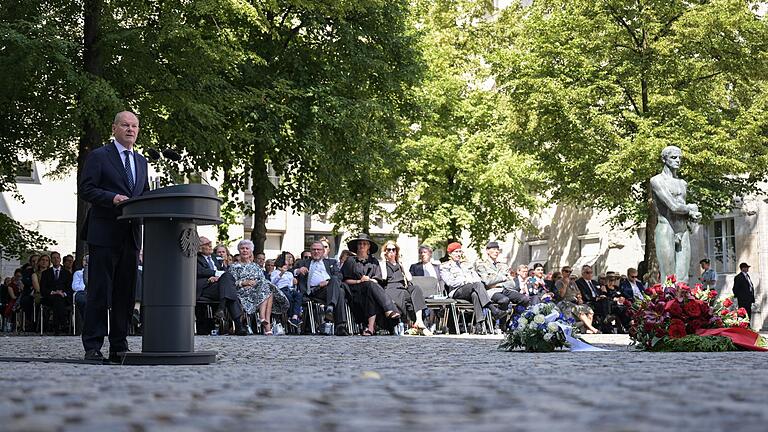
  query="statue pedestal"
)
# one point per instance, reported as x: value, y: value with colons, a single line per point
x: 170, y: 217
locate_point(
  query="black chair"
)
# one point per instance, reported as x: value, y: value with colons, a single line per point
x: 436, y: 300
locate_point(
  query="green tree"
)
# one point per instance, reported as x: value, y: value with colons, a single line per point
x: 465, y: 168
x: 68, y: 67
x: 600, y: 87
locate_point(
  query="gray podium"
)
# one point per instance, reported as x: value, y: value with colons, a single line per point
x: 170, y: 216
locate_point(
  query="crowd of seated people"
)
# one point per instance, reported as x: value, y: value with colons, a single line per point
x: 365, y: 291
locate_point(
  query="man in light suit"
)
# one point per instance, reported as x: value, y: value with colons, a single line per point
x: 112, y: 174
x: 320, y: 278
x: 743, y: 289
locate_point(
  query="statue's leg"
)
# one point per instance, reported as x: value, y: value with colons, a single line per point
x: 683, y: 257
x: 665, y: 250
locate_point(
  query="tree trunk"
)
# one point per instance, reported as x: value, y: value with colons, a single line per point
x: 262, y: 190
x: 365, y: 223
x: 652, y: 264
x: 90, y: 138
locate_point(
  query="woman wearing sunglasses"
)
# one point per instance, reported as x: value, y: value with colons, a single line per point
x: 397, y: 284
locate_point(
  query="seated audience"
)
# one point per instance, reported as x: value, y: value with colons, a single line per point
x: 13, y: 289
x: 572, y: 302
x: 222, y: 255
x: 464, y: 283
x: 536, y: 287
x: 425, y: 266
x: 362, y: 274
x: 320, y: 279
x: 498, y: 279
x: 256, y: 293
x: 406, y: 296
x: 589, y: 290
x: 79, y: 286
x: 215, y: 284
x: 632, y: 288
x: 282, y: 277
x: 343, y: 256
x: 56, y: 292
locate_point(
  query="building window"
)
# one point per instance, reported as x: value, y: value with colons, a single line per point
x: 273, y: 242
x: 27, y: 173
x: 721, y: 245
x: 538, y: 251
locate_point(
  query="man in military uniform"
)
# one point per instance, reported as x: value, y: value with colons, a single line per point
x: 463, y: 283
x: 708, y: 276
x: 497, y: 278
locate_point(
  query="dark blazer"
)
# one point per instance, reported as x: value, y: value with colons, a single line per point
x: 331, y: 266
x: 102, y: 178
x: 742, y: 291
x: 418, y: 270
x: 586, y: 293
x: 48, y: 283
x: 204, y: 272
x: 625, y: 289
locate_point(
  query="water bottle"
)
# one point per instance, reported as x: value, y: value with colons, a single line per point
x: 328, y: 328
x: 400, y: 329
x: 215, y: 331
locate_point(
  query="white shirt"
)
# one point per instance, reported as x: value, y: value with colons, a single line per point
x: 78, y: 284
x: 284, y: 281
x: 317, y: 273
x: 121, y: 151
x: 429, y: 270
x: 636, y: 290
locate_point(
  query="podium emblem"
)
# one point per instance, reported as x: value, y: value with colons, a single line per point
x: 189, y: 242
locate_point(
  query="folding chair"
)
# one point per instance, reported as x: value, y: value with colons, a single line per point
x: 435, y: 297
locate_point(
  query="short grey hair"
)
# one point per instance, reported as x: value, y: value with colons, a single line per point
x: 425, y: 247
x: 247, y: 243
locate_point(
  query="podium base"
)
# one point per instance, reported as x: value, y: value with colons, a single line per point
x: 169, y: 358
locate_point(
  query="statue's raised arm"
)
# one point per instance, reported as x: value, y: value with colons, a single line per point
x: 673, y: 246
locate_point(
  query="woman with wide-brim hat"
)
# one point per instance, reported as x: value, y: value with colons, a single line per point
x: 362, y: 274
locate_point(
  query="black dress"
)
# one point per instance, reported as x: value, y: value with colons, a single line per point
x: 368, y: 298
x: 408, y: 297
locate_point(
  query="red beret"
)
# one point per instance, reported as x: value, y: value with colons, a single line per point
x: 453, y: 246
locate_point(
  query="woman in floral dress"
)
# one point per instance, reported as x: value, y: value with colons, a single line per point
x: 254, y: 290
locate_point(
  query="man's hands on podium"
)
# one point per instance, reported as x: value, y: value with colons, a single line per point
x: 118, y: 199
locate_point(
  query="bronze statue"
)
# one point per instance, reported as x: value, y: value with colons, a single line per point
x: 673, y: 246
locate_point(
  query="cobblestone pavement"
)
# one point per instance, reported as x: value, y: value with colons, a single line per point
x: 304, y: 383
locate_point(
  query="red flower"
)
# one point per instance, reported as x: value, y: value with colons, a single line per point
x: 741, y: 312
x: 704, y: 307
x: 712, y: 294
x: 727, y: 302
x: 677, y: 331
x: 695, y: 325
x: 744, y: 324
x: 671, y: 278
x: 673, y: 307
x: 692, y: 309
x: 724, y: 312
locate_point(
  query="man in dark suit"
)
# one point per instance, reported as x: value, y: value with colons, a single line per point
x: 743, y: 289
x: 588, y: 288
x: 425, y: 266
x: 112, y: 174
x: 56, y: 292
x: 214, y: 285
x: 320, y: 279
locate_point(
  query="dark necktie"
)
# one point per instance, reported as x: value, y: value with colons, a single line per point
x: 128, y: 172
x: 591, y: 288
x: 211, y: 264
x: 56, y: 274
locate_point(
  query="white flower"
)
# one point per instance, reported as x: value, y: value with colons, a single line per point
x: 532, y: 325
x: 538, y: 319
x: 552, y: 327
x: 522, y: 322
x: 548, y: 336
x: 537, y: 308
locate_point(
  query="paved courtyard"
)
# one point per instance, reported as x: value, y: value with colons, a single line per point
x: 308, y: 383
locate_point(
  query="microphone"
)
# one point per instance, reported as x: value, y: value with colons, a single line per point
x: 153, y: 154
x: 172, y: 155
